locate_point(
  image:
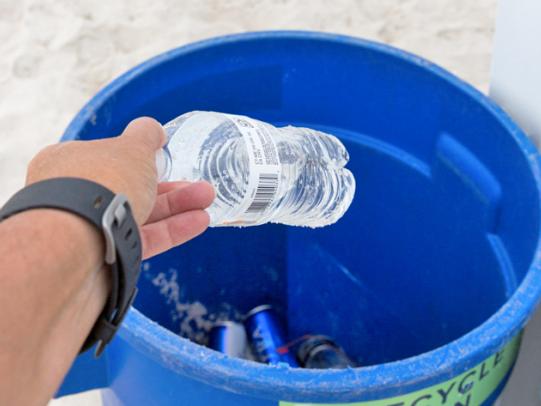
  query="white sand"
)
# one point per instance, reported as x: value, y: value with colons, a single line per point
x: 57, y: 53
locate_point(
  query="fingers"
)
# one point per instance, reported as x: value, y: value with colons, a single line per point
x: 146, y: 131
x: 192, y: 196
x: 165, y: 187
x: 166, y: 234
x: 177, y: 217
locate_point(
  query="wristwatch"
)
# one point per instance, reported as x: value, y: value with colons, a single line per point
x: 113, y: 217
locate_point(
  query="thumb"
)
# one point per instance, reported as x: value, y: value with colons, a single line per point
x: 146, y: 132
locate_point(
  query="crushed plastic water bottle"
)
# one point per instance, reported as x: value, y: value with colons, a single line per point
x: 261, y: 173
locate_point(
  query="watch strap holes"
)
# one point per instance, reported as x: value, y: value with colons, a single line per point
x: 98, y: 202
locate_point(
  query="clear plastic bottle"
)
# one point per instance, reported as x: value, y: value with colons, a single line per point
x: 261, y: 173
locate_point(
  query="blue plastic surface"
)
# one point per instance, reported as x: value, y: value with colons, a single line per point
x: 434, y: 267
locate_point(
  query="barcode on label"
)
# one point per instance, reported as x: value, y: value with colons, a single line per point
x: 266, y: 189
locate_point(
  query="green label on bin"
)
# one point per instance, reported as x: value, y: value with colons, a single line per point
x: 471, y: 388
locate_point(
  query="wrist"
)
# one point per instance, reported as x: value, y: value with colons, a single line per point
x: 57, y: 274
x: 111, y: 215
x: 67, y: 234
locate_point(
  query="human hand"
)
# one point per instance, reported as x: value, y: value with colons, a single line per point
x: 168, y: 214
x: 178, y: 216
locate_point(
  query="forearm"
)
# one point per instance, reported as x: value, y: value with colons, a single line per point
x: 54, y: 288
x: 52, y: 285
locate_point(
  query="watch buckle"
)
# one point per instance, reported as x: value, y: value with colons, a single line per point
x: 114, y: 214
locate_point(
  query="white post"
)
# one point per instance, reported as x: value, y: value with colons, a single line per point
x: 516, y: 86
x: 516, y: 66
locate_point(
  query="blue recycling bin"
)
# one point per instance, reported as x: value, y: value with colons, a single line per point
x: 427, y: 281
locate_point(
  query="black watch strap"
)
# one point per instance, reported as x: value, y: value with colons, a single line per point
x: 112, y: 215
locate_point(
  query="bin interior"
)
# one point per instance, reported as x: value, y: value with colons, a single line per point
x: 441, y: 231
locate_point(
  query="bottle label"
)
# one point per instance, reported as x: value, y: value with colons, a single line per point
x: 264, y: 177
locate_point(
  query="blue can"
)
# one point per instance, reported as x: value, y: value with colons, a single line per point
x: 229, y: 338
x: 267, y: 337
x: 321, y: 352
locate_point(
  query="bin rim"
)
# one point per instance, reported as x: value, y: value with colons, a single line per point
x: 372, y: 382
